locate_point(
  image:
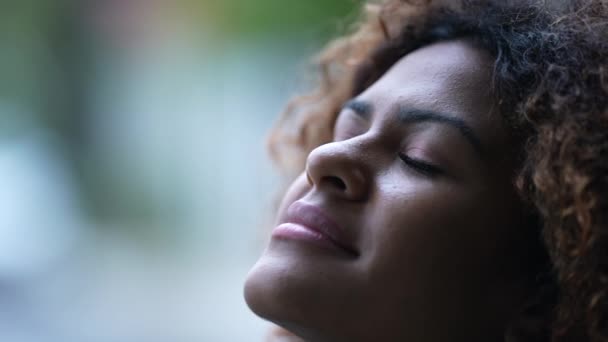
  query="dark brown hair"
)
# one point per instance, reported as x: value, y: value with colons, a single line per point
x: 551, y: 83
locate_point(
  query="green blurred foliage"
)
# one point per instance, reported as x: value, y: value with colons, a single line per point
x: 29, y: 33
x: 246, y: 18
x: 46, y: 74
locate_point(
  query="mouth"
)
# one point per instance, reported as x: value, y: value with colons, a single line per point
x: 308, y: 223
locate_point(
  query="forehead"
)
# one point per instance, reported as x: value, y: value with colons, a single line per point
x: 450, y: 77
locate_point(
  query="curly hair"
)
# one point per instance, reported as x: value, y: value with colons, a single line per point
x: 551, y: 85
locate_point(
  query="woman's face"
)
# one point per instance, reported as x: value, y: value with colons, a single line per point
x: 406, y: 227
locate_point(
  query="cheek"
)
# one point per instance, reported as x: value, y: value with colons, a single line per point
x: 429, y: 236
x: 410, y: 227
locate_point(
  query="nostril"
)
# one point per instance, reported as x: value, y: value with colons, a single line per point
x: 335, y: 181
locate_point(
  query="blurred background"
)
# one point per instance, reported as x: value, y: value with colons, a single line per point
x: 135, y: 190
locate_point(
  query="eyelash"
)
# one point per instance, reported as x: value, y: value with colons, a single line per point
x: 420, y: 166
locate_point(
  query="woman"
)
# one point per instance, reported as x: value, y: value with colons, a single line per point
x: 454, y: 169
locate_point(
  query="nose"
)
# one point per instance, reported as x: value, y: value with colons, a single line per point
x: 339, y: 170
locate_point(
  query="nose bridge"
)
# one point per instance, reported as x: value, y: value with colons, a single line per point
x: 342, y: 168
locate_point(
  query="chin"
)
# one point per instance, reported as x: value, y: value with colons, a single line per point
x: 272, y: 291
x: 276, y: 291
x: 269, y: 295
x: 258, y: 291
x: 305, y: 294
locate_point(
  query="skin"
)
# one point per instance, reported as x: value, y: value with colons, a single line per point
x: 431, y: 211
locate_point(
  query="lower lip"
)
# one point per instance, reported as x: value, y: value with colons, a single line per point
x: 294, y: 231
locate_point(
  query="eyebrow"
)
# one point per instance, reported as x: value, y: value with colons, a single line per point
x: 415, y: 115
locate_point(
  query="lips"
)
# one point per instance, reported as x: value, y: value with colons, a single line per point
x: 308, y: 222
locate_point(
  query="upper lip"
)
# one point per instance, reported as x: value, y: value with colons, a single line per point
x: 314, y: 218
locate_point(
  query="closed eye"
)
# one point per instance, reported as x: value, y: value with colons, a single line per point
x: 420, y: 166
